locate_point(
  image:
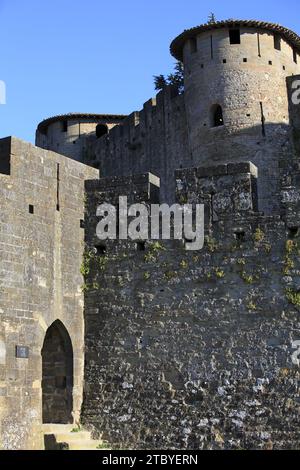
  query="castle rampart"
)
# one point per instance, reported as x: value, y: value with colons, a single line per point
x: 151, y: 140
x: 234, y: 108
x: 41, y: 245
x: 69, y: 134
x: 151, y: 345
x: 197, y: 347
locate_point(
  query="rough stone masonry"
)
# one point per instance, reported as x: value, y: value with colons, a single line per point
x: 158, y: 347
x: 196, y: 350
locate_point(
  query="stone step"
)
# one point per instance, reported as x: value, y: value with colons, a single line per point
x: 61, y: 437
x: 87, y: 444
x: 57, y: 428
x: 73, y: 436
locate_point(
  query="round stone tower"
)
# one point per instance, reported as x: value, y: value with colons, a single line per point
x: 236, y: 94
x: 73, y: 134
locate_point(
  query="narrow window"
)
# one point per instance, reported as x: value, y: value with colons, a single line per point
x: 100, y: 249
x: 245, y: 59
x: 31, y: 209
x: 217, y: 116
x: 57, y: 186
x: 270, y: 62
x: 235, y: 36
x: 64, y: 126
x: 277, y: 42
x: 293, y: 232
x: 101, y: 130
x: 258, y: 45
x: 263, y: 127
x: 141, y: 246
x: 240, y: 236
x: 295, y: 56
x: 224, y: 61
x: 81, y: 223
x: 193, y: 45
x: 211, y: 47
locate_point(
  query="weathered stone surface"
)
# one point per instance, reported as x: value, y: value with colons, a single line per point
x: 71, y: 134
x: 40, y: 280
x: 194, y: 350
x: 182, y: 349
x: 173, y: 132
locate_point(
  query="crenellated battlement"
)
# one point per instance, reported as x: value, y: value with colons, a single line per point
x: 227, y: 191
x: 236, y: 107
x: 138, y: 123
x: 69, y: 134
x: 183, y: 348
x: 154, y: 139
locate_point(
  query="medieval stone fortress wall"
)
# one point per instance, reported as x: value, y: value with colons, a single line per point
x: 69, y: 134
x: 41, y: 243
x: 181, y: 350
x: 239, y: 66
x: 244, y: 71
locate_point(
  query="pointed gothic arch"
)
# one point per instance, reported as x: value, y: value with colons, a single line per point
x: 57, y: 375
x: 217, y: 119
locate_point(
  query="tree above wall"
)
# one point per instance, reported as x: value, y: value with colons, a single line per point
x: 211, y: 18
x: 175, y: 79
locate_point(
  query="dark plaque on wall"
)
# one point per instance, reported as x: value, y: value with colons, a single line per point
x: 22, y: 352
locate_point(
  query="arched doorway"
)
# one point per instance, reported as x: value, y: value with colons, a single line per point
x: 57, y: 375
x: 101, y: 130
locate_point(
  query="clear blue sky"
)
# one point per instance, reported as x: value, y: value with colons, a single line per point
x: 60, y: 56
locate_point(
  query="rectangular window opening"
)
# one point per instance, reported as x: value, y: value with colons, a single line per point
x: 235, y: 36
x: 64, y: 126
x: 31, y: 209
x: 277, y: 42
x: 141, y: 246
x: 295, y: 56
x: 57, y: 187
x: 258, y: 45
x: 263, y: 120
x: 100, y: 249
x: 240, y: 236
x: 193, y: 45
x: 293, y: 232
